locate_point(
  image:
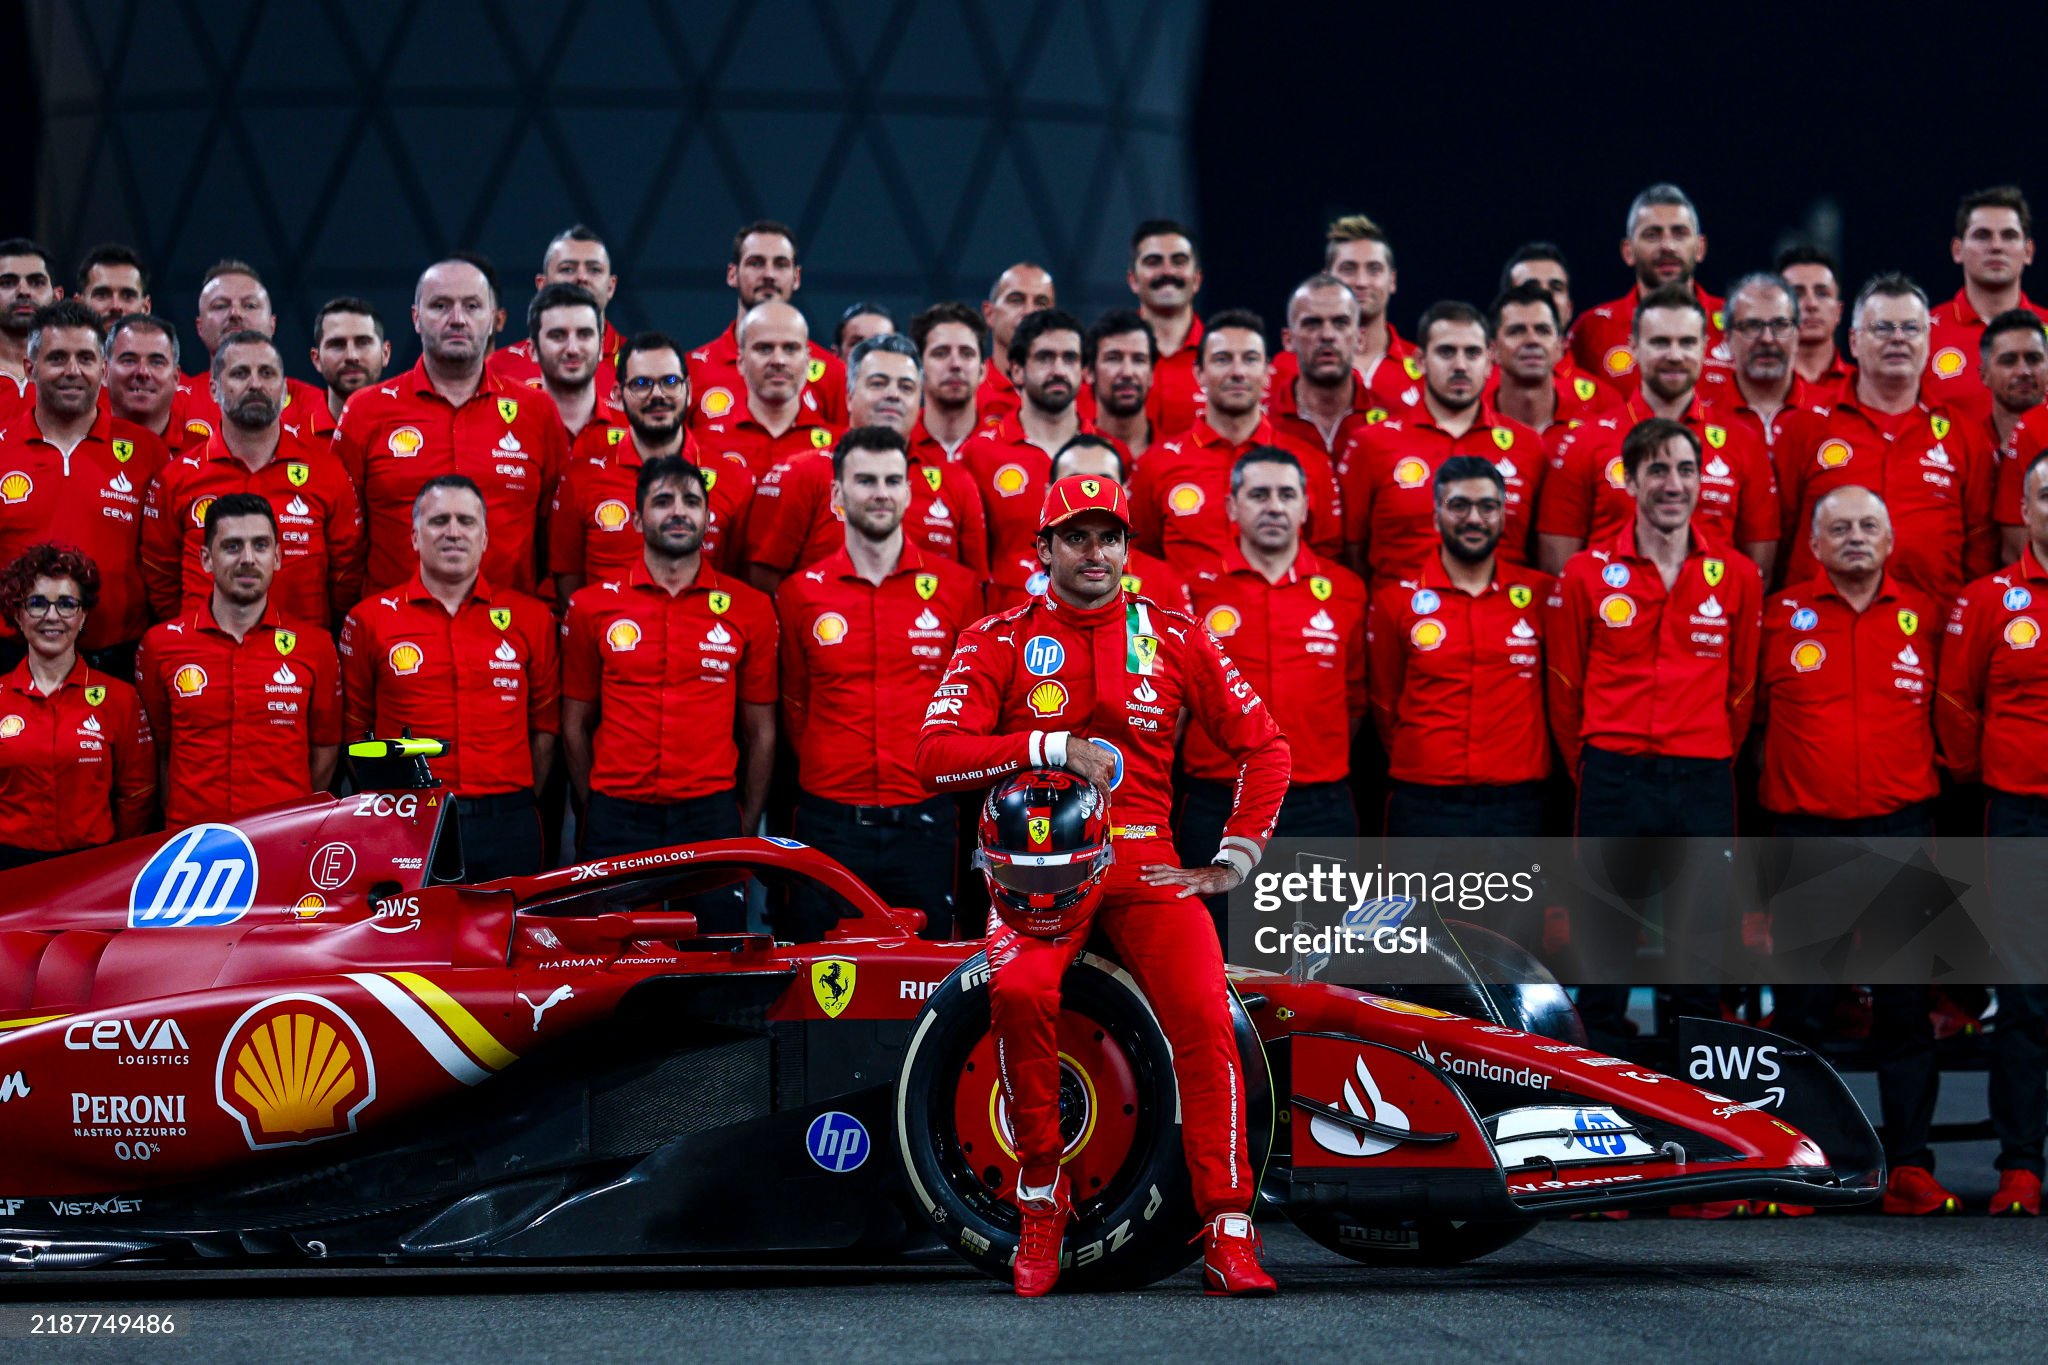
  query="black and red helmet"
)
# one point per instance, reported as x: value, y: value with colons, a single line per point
x: 1044, y: 850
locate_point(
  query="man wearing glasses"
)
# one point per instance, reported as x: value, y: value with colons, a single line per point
x: 1761, y: 389
x: 1930, y: 464
x: 590, y: 531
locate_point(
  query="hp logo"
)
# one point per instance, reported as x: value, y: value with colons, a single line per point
x: 837, y: 1142
x: 1043, y: 656
x: 204, y: 876
x: 1595, y: 1133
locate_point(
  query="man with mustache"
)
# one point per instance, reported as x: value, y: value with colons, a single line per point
x: 1009, y: 460
x: 1532, y: 381
x: 1994, y: 245
x: 1761, y: 388
x: 1166, y: 274
x: 319, y: 517
x: 26, y: 285
x: 776, y: 415
x: 1585, y: 498
x: 1326, y: 404
x: 232, y: 298
x: 591, y: 537
x: 952, y: 342
x: 1122, y: 360
x: 1930, y: 463
x: 764, y: 269
x: 349, y: 349
x: 1663, y: 244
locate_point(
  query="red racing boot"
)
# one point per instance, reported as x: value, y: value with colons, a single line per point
x: 1045, y: 1227
x: 1230, y: 1259
x: 1913, y: 1190
x: 2019, y: 1195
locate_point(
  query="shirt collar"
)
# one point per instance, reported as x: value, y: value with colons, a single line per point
x: 1202, y: 434
x: 19, y: 678
x: 707, y: 580
x: 1304, y: 565
x: 1821, y: 585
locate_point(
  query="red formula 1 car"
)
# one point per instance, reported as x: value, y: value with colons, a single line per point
x: 298, y: 1036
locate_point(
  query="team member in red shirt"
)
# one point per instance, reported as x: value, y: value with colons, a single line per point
x: 232, y: 298
x: 1532, y: 381
x: 2013, y: 357
x: 866, y: 632
x: 319, y: 516
x: 349, y: 349
x: 1994, y: 244
x: 1817, y: 289
x: 1543, y: 264
x: 1042, y: 687
x: 246, y: 710
x: 1585, y: 499
x: 114, y: 281
x: 764, y: 269
x: 1357, y: 252
x: 1017, y: 293
x: 1930, y: 463
x: 951, y: 341
x: 591, y: 536
x: 796, y: 520
x: 27, y: 285
x: 577, y: 256
x: 142, y: 376
x: 1325, y: 404
x: 1388, y: 472
x: 859, y: 322
x: 450, y: 656
x: 77, y: 765
x: 778, y: 414
x: 1760, y: 389
x: 1664, y: 245
x: 1179, y: 490
x: 568, y: 331
x: 1457, y: 672
x: 1009, y: 459
x: 1122, y: 362
x: 658, y: 669
x: 1166, y: 274
x: 449, y: 415
x: 1296, y: 628
x: 72, y: 474
x: 1020, y: 580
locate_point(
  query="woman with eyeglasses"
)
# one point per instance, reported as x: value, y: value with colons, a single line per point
x: 77, y: 767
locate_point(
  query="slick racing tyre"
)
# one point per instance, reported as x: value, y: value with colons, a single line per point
x: 1134, y: 1215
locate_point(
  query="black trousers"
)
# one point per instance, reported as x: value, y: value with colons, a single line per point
x: 616, y: 826
x: 2019, y: 1049
x: 1311, y: 810
x: 501, y: 835
x: 1419, y: 811
x: 904, y: 853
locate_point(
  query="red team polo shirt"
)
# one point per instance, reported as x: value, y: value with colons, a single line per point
x: 1586, y: 493
x: 319, y: 525
x: 1176, y: 397
x: 1932, y: 469
x: 1601, y: 341
x: 1181, y: 490
x: 1847, y: 700
x: 1719, y: 388
x: 520, y: 364
x: 740, y: 437
x: 2029, y: 439
x: 667, y: 674
x: 487, y: 679
x: 90, y: 499
x: 1297, y: 430
x: 1955, y: 337
x: 1394, y: 381
x: 1580, y: 398
x: 1637, y: 669
x: 590, y: 524
x: 1301, y: 644
x: 396, y: 435
x: 860, y: 662
x: 240, y: 718
x: 1992, y: 718
x: 797, y: 522
x: 721, y: 393
x: 1457, y: 679
x: 1010, y: 475
x: 1388, y: 477
x: 77, y: 767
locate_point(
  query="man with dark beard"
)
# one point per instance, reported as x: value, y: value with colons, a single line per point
x: 1009, y: 460
x: 1457, y: 672
x: 349, y: 348
x: 319, y: 518
x: 590, y: 527
x: 1664, y: 246
x: 26, y: 286
x: 1122, y: 357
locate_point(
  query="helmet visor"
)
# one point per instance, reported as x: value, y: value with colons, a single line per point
x: 1043, y: 874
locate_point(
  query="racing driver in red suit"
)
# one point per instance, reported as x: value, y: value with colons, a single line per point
x: 1030, y: 688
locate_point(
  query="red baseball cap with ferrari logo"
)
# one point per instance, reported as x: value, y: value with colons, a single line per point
x: 1078, y: 493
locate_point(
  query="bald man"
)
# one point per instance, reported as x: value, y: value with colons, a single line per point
x: 1023, y: 288
x: 775, y: 420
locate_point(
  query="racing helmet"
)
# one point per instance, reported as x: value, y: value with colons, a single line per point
x: 1045, y: 850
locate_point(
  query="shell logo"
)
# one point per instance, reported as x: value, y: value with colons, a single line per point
x: 1948, y: 362
x: 829, y: 629
x: 200, y: 506
x: 1834, y: 454
x: 405, y: 658
x: 1808, y: 655
x: 189, y: 681
x: 1222, y: 622
x: 295, y: 1070
x: 612, y: 515
x: 15, y: 486
x: 309, y: 906
x: 1049, y: 698
x: 1010, y: 480
x: 1409, y: 1007
x: 623, y: 637
x: 1410, y: 473
x: 1618, y: 609
x: 717, y: 403
x: 1619, y: 360
x: 199, y: 427
x: 10, y: 726
x: 1427, y: 633
x: 1186, y: 499
x: 1617, y: 473
x: 2022, y: 632
x: 404, y: 442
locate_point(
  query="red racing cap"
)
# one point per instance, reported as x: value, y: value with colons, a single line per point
x: 1078, y: 493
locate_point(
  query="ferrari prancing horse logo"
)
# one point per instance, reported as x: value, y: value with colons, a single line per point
x: 832, y: 983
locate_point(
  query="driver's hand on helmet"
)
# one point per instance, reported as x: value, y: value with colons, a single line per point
x: 1090, y: 761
